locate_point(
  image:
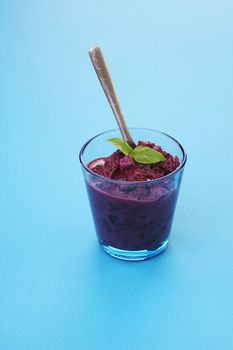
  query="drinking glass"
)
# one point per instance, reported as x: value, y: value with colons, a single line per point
x: 133, y: 220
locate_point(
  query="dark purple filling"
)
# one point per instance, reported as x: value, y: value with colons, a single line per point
x: 133, y: 216
x: 120, y: 167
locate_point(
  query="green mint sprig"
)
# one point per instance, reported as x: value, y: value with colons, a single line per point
x: 142, y: 154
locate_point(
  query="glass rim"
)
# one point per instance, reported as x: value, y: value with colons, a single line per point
x: 180, y: 167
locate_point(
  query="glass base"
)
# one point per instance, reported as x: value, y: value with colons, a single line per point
x: 134, y: 255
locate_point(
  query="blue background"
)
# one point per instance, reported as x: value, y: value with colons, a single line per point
x: 172, y: 64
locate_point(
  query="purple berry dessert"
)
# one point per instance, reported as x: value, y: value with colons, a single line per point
x: 133, y: 212
x: 132, y: 192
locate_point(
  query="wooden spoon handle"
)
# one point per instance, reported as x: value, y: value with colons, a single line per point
x: 102, y: 72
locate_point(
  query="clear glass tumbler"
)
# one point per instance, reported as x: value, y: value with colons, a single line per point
x: 132, y: 219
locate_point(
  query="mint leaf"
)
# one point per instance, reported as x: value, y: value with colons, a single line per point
x: 121, y: 145
x: 142, y: 154
x: 147, y: 155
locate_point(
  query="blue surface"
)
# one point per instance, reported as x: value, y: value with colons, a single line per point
x: 172, y: 66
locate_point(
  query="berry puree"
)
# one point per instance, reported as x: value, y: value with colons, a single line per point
x: 135, y: 214
x: 121, y: 167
